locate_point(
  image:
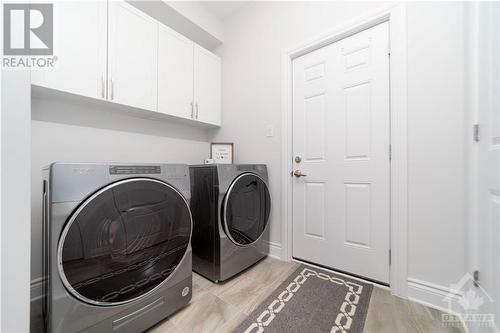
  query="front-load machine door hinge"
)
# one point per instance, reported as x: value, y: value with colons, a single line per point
x: 476, y: 133
x: 475, y: 276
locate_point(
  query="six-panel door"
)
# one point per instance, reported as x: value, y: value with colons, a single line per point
x: 341, y: 203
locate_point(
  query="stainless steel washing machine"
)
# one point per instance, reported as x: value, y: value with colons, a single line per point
x: 117, y: 253
x: 230, y: 206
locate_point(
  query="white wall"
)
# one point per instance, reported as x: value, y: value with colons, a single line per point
x: 15, y: 192
x: 199, y: 14
x: 254, y: 40
x: 82, y: 130
x: 436, y: 124
x: 189, y: 18
x: 251, y: 72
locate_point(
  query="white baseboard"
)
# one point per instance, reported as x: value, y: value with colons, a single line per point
x: 36, y: 289
x: 275, y: 250
x: 433, y: 295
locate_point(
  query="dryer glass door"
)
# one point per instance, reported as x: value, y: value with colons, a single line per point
x: 124, y: 241
x: 246, y: 209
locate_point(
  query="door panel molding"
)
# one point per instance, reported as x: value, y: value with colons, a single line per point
x: 396, y: 16
x: 349, y: 129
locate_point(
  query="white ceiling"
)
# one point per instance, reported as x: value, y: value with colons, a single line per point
x: 222, y: 9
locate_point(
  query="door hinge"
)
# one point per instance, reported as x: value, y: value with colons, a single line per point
x: 476, y: 132
x: 390, y: 256
x: 475, y: 276
x: 390, y: 152
x: 389, y: 48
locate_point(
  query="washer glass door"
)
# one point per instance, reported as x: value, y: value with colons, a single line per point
x: 123, y: 241
x: 246, y: 209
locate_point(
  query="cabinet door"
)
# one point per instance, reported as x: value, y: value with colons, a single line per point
x: 80, y: 46
x: 207, y: 86
x: 132, y: 61
x: 175, y: 73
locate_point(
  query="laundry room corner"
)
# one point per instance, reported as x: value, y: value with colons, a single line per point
x: 239, y: 166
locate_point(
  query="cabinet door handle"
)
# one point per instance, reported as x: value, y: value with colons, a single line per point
x: 102, y: 86
x: 192, y: 110
x: 112, y: 89
x: 196, y: 110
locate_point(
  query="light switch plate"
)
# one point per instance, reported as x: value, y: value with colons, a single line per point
x: 269, y: 131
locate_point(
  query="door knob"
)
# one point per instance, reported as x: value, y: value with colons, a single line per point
x: 298, y: 174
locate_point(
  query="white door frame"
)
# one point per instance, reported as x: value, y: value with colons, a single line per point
x: 396, y: 16
x: 479, y: 30
x: 473, y: 64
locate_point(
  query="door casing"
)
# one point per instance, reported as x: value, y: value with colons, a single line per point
x: 480, y: 73
x: 396, y: 16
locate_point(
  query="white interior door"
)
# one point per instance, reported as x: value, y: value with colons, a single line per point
x: 341, y: 134
x: 133, y: 55
x: 488, y: 177
x: 80, y: 35
x: 175, y: 73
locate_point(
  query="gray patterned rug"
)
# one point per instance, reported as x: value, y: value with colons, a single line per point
x: 312, y: 300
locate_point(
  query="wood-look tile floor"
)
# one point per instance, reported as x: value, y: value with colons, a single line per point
x: 221, y: 307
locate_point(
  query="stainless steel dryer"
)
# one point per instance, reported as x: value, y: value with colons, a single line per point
x: 230, y: 206
x: 116, y: 245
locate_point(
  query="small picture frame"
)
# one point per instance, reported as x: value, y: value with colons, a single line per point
x: 222, y: 152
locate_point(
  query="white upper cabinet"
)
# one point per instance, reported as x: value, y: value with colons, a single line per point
x: 80, y: 47
x: 132, y: 56
x: 111, y: 50
x: 175, y: 73
x: 207, y: 86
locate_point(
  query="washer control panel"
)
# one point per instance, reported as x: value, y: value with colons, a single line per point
x: 134, y: 169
